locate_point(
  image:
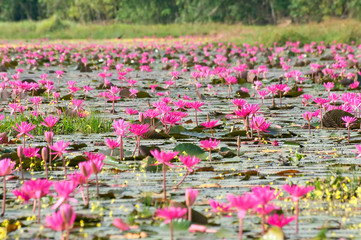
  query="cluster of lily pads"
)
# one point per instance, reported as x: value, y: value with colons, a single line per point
x: 177, y: 107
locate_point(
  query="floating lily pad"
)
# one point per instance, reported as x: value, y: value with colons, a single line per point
x: 191, y: 149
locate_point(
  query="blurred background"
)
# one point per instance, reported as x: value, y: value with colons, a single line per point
x: 45, y: 18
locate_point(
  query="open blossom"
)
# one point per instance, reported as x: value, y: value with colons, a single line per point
x: 210, y: 144
x: 50, y: 121
x: 62, y: 219
x: 164, y: 157
x: 239, y: 102
x: 139, y: 129
x: 264, y: 194
x: 297, y: 191
x: 24, y: 128
x: 329, y: 86
x: 210, y: 124
x: 260, y: 123
x: 220, y: 207
x: 266, y: 209
x: 121, y: 127
x: 30, y: 152
x: 279, y: 220
x: 6, y: 166
x: 307, y: 116
x: 358, y: 150
x: 189, y: 161
x: 348, y: 120
x: 195, y: 105
x: 36, y: 188
x: 59, y: 148
x: 64, y: 189
x: 96, y: 165
x: 171, y: 213
x: 242, y: 203
x: 111, y: 143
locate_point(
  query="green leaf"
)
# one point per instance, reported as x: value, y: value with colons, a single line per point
x: 190, y: 149
x: 224, y: 233
x: 274, y: 233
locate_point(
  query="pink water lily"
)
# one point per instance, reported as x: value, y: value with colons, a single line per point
x: 24, y: 128
x: 59, y: 150
x: 191, y: 196
x: 138, y: 131
x: 210, y: 145
x: 6, y: 167
x: 297, y: 192
x: 279, y: 220
x: 242, y: 204
x: 169, y: 214
x: 189, y: 162
x: 164, y: 158
x: 64, y: 189
x: 62, y: 220
x: 35, y: 189
x: 348, y: 121
x: 263, y: 196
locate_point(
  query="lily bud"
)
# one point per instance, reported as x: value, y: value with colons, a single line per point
x: 20, y: 151
x: 141, y: 117
x: 44, y: 154
x: 49, y: 137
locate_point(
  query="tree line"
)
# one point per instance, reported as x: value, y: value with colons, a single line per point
x: 180, y: 11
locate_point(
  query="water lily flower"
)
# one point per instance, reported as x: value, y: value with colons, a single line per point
x: 169, y: 214
x: 6, y: 167
x: 164, y: 158
x: 62, y: 220
x: 297, y: 192
x: 210, y: 145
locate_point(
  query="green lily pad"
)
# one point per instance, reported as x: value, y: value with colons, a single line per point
x: 274, y: 233
x: 224, y: 233
x: 190, y: 149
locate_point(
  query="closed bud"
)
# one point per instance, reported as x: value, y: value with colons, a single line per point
x: 44, y: 154
x: 49, y: 137
x: 20, y: 151
x: 141, y: 117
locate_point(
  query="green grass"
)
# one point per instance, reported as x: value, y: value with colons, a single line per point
x: 94, y: 123
x: 330, y: 30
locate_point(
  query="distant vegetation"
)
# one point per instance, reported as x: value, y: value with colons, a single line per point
x: 179, y: 11
x: 345, y: 31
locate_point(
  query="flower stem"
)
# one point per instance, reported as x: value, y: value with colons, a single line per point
x: 4, y: 197
x: 171, y: 229
x: 240, y: 229
x: 39, y: 208
x: 64, y: 164
x: 309, y: 127
x: 190, y: 213
x: 67, y: 233
x: 263, y: 220
x: 46, y: 169
x: 196, y: 118
x: 82, y: 195
x: 185, y: 175
x: 164, y: 183
x: 121, y: 149
x: 297, y: 213
x: 87, y: 192
x: 96, y: 181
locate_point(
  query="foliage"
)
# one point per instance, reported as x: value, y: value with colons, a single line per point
x: 66, y: 125
x: 179, y: 11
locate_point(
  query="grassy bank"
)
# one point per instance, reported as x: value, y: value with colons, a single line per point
x: 328, y: 31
